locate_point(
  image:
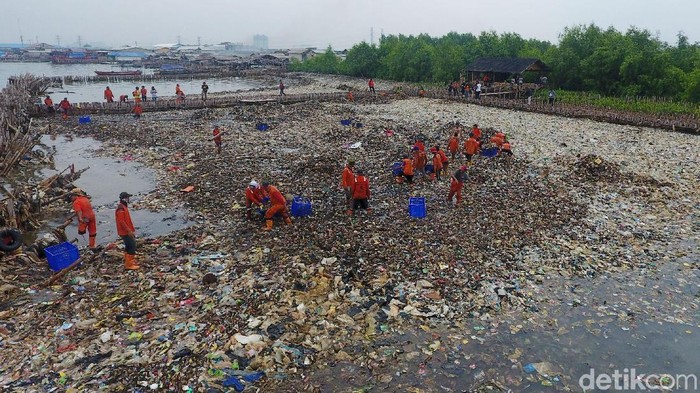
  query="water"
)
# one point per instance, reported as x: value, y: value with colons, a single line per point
x: 93, y: 91
x: 106, y: 178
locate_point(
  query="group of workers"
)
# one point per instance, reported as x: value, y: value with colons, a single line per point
x: 88, y: 223
x: 256, y: 196
x: 440, y: 160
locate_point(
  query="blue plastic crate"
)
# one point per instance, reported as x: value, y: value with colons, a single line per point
x: 416, y: 207
x: 490, y: 152
x: 84, y: 119
x: 429, y: 168
x: 262, y: 126
x: 61, y: 255
x: 301, y: 207
x: 397, y: 169
x: 346, y: 122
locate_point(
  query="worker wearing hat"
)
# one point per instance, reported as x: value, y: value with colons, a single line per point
x: 457, y: 181
x: 125, y: 229
x: 254, y: 196
x: 279, y: 205
x: 86, y: 216
x: 348, y: 182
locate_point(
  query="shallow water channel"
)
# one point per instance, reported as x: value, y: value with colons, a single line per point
x: 106, y: 178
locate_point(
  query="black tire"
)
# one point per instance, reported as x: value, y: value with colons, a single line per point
x: 10, y: 240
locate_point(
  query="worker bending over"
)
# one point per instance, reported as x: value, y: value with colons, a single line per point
x: 279, y: 205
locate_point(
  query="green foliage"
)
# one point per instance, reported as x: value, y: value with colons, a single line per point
x: 587, y: 58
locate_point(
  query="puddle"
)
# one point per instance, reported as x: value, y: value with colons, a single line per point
x: 105, y: 179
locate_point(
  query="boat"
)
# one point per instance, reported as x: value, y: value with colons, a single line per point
x: 118, y: 73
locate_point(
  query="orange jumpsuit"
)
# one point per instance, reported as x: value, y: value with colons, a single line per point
x: 125, y: 229
x: 445, y: 160
x: 453, y: 146
x: 360, y: 193
x: 457, y: 181
x: 253, y: 196
x: 279, y: 204
x: 217, y: 139
x: 109, y: 96
x: 477, y: 133
x: 137, y: 96
x: 437, y: 165
x: 471, y: 147
x: 86, y: 217
x: 419, y: 160
x: 348, y: 180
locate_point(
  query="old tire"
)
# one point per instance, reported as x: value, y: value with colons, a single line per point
x: 10, y: 240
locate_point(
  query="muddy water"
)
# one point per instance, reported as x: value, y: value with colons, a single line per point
x: 647, y: 320
x: 106, y: 178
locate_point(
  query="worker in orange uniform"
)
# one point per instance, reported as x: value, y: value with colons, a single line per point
x: 138, y: 110
x: 498, y: 139
x: 408, y: 169
x: 254, y: 196
x: 348, y: 181
x: 437, y: 164
x: 109, y: 96
x: 217, y: 139
x: 456, y: 184
x: 420, y: 145
x: 476, y: 132
x: 350, y: 97
x: 505, y: 148
x: 86, y: 216
x: 137, y: 96
x: 49, y: 104
x: 65, y: 106
x: 279, y: 205
x: 419, y: 160
x: 443, y: 158
x: 125, y: 229
x: 471, y: 147
x: 453, y: 145
x: 360, y: 192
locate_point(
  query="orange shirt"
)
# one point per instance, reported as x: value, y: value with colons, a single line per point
x: 497, y: 141
x: 348, y: 177
x: 82, y: 204
x: 453, y: 144
x: 477, y: 132
x: 48, y: 102
x: 421, y: 145
x: 254, y: 195
x: 443, y: 156
x: 361, y: 188
x: 437, y: 162
x: 123, y: 219
x: 109, y: 95
x: 407, y: 166
x: 276, y: 197
x: 471, y: 146
x: 506, y: 146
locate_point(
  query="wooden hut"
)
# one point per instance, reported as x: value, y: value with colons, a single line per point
x: 499, y: 69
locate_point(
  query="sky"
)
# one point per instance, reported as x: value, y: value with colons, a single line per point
x: 319, y: 23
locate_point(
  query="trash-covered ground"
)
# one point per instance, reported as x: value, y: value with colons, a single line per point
x: 377, y: 301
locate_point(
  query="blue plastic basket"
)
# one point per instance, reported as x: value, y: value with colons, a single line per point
x: 84, y: 119
x: 429, y: 168
x: 345, y: 122
x: 397, y: 169
x: 416, y: 207
x: 490, y: 152
x: 61, y: 255
x: 301, y: 207
x: 262, y: 126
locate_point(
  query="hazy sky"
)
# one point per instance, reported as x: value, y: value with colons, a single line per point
x: 318, y: 23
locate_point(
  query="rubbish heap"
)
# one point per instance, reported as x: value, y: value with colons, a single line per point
x: 222, y: 305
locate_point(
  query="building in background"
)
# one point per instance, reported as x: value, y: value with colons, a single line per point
x: 260, y: 41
